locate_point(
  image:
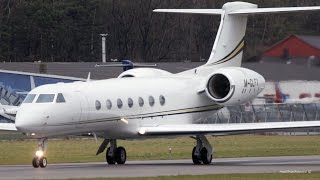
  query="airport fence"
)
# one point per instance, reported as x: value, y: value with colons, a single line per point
x: 270, y: 113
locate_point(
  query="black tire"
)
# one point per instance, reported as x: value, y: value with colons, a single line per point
x: 35, y: 162
x: 195, y: 158
x: 204, y: 156
x: 43, y: 162
x: 120, y: 155
x: 109, y: 159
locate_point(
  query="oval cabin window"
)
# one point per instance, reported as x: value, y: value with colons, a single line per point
x: 109, y: 104
x: 162, y: 100
x: 151, y: 100
x: 98, y: 105
x: 141, y: 101
x: 130, y: 102
x: 119, y: 103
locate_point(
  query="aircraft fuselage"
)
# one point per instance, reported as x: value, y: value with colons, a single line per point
x: 114, y: 107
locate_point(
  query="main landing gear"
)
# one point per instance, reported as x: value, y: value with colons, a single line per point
x: 114, y: 154
x: 202, y: 152
x: 40, y: 160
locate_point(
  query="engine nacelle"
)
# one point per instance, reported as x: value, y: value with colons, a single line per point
x: 234, y: 85
x: 144, y: 72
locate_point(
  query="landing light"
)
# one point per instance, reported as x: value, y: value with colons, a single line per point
x: 124, y: 120
x: 39, y: 153
x: 142, y: 131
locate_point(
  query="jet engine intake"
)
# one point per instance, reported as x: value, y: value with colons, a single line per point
x: 234, y: 85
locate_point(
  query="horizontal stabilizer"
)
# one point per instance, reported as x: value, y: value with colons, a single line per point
x: 240, y: 11
x: 192, y: 11
x: 273, y: 10
x: 224, y: 129
x: 8, y: 127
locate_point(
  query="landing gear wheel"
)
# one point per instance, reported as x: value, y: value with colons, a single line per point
x: 35, y: 162
x: 195, y: 158
x: 110, y: 159
x: 204, y: 156
x: 120, y: 155
x: 43, y: 162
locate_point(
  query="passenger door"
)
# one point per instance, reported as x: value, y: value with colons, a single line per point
x: 83, y: 109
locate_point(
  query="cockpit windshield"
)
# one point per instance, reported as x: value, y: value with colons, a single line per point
x: 29, y: 98
x: 60, y: 98
x: 45, y: 98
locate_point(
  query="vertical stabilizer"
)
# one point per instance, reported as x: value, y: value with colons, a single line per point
x: 229, y: 43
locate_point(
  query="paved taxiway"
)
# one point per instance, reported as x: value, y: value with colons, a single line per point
x: 164, y: 168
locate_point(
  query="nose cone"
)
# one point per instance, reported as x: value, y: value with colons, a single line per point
x: 27, y: 121
x: 22, y: 122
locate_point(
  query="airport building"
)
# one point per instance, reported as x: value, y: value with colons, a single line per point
x: 295, y: 46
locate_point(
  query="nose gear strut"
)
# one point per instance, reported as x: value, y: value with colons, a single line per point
x: 40, y: 160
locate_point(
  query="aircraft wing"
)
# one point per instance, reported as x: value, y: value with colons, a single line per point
x: 10, y: 110
x: 223, y: 129
x: 8, y: 127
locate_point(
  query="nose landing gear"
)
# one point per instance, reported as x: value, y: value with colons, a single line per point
x: 40, y: 160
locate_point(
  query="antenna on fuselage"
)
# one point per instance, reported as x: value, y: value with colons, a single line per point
x: 89, y: 77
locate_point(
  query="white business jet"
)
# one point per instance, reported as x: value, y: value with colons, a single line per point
x: 148, y: 103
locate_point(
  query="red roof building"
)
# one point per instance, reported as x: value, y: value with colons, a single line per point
x: 295, y: 46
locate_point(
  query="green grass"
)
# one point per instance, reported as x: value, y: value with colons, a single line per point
x: 7, y: 135
x: 83, y: 150
x: 273, y: 176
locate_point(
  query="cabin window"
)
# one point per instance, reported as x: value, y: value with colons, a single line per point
x: 119, y: 103
x: 98, y: 105
x: 45, y: 98
x: 109, y: 104
x: 162, y: 100
x: 60, y: 98
x: 29, y: 98
x: 130, y: 102
x: 141, y: 101
x: 151, y: 100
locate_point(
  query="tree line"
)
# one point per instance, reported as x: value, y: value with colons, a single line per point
x: 69, y: 30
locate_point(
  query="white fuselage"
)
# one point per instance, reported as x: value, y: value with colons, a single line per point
x: 80, y: 113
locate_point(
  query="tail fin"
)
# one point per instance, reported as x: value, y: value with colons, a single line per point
x: 229, y: 43
x: 127, y: 65
x: 279, y: 96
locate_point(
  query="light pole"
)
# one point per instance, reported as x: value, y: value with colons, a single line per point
x: 103, y: 36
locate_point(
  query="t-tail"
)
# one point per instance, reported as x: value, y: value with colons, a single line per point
x: 230, y: 40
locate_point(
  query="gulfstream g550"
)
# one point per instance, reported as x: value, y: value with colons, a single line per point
x: 147, y: 103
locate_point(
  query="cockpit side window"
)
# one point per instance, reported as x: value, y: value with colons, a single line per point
x: 45, y: 98
x: 60, y: 98
x: 29, y: 98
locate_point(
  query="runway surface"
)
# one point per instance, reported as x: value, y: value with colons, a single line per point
x: 284, y: 164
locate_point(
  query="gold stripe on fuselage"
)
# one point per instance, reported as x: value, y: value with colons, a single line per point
x: 148, y: 115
